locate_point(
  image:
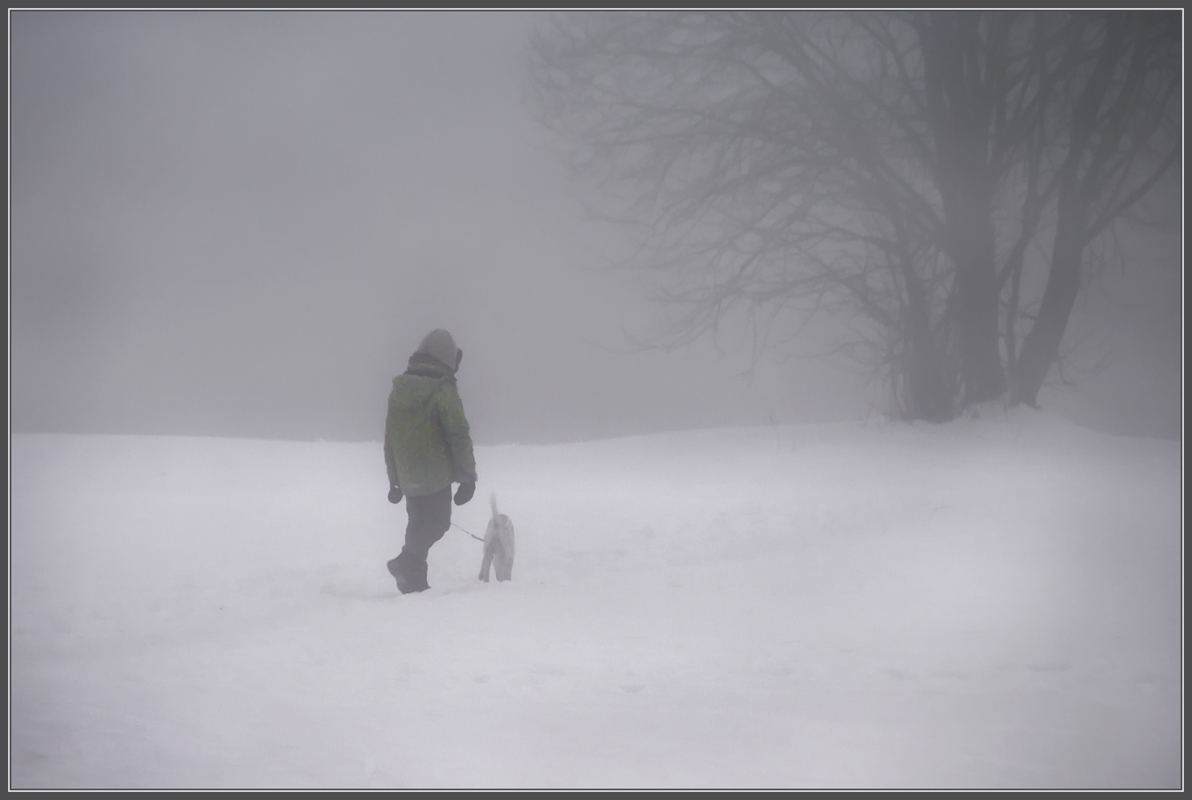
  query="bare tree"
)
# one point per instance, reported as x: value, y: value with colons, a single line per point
x: 858, y: 164
x: 1120, y: 133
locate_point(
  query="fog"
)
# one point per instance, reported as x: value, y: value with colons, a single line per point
x: 242, y: 223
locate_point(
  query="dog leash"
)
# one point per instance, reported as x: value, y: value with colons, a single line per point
x: 474, y: 536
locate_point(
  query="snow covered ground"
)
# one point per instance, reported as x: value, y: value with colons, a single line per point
x: 994, y: 603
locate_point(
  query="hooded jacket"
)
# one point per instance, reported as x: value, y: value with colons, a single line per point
x: 428, y: 444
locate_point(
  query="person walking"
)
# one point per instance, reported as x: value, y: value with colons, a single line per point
x: 428, y: 447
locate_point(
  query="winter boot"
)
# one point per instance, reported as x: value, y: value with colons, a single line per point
x: 399, y: 575
x: 408, y: 576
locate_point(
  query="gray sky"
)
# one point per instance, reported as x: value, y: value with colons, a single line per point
x: 241, y: 223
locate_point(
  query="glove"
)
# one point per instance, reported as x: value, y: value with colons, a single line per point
x: 464, y: 493
x: 394, y: 494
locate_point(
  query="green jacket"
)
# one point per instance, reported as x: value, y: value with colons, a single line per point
x: 428, y: 445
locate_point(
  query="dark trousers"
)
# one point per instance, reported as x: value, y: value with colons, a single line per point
x: 430, y: 517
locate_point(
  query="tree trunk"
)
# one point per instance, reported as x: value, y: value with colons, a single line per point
x: 959, y: 114
x: 1041, y: 347
x: 976, y: 307
x: 929, y: 393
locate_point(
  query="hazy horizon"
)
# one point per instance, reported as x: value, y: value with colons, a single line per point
x: 241, y: 224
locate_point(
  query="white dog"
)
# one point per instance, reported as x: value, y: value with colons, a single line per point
x: 498, y: 545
